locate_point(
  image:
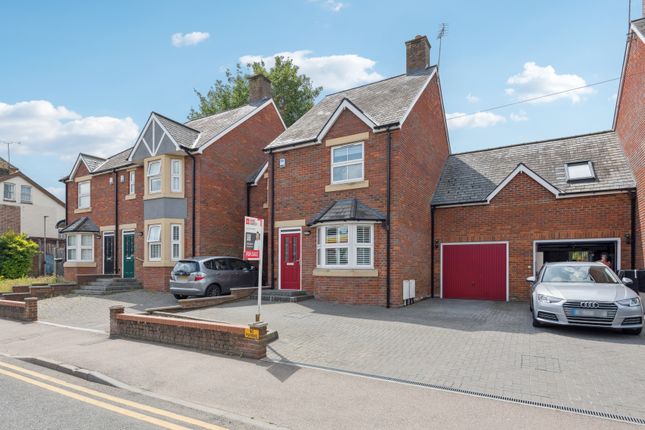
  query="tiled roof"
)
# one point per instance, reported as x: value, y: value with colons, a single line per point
x: 639, y: 24
x: 213, y: 125
x: 114, y: 162
x: 471, y: 176
x: 81, y: 225
x: 91, y: 161
x: 386, y: 102
x: 347, y: 210
x: 182, y: 134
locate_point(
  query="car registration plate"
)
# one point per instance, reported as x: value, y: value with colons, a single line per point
x: 589, y: 313
x: 182, y: 278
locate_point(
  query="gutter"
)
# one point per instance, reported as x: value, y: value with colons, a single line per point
x: 189, y: 152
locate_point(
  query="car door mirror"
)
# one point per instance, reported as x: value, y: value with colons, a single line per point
x: 628, y: 282
x: 531, y: 279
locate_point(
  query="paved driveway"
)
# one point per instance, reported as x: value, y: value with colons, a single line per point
x: 93, y: 312
x: 487, y: 347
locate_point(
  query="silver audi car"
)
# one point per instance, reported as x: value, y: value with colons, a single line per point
x: 584, y: 294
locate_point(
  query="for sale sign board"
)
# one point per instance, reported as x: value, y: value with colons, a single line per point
x: 253, y: 237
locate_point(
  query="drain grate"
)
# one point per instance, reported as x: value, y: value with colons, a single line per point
x: 564, y: 408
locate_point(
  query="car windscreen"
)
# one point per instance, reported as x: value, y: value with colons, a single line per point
x: 580, y: 274
x: 186, y: 267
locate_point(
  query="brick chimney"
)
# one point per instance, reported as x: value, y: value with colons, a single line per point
x: 417, y: 54
x: 259, y: 88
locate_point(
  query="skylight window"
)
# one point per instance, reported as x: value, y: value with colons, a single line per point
x: 580, y: 170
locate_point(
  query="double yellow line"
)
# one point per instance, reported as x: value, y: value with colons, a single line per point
x: 101, y: 404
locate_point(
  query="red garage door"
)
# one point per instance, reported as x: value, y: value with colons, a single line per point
x: 474, y: 271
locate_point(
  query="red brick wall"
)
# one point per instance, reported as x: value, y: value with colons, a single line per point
x: 418, y: 153
x: 630, y: 124
x: 525, y: 211
x: 223, y: 169
x: 418, y: 159
x: 9, y: 218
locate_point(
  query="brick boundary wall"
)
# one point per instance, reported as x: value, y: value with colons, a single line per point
x: 20, y: 292
x: 20, y: 311
x: 201, y: 335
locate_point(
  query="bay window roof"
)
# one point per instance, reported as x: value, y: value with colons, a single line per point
x: 347, y: 210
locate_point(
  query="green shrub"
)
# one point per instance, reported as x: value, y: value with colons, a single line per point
x: 16, y: 254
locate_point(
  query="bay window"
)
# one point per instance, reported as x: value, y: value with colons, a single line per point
x: 347, y: 163
x: 345, y: 246
x: 175, y: 241
x: 80, y: 247
x: 175, y: 176
x: 154, y: 242
x: 154, y: 176
x: 84, y: 199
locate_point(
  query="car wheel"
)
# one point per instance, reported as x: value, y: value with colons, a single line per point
x: 213, y: 290
x: 634, y: 331
x: 531, y: 304
x: 179, y: 296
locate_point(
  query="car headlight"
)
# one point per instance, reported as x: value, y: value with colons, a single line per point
x: 543, y: 298
x: 634, y: 301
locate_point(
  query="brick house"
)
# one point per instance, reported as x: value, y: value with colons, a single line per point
x: 350, y: 185
x: 180, y: 191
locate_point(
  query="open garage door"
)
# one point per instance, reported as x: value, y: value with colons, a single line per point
x: 474, y: 271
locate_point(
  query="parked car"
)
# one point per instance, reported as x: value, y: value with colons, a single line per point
x: 584, y: 294
x: 211, y: 276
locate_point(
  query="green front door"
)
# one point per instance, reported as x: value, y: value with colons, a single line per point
x: 128, y: 255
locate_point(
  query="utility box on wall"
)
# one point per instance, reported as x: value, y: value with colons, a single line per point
x: 409, y: 291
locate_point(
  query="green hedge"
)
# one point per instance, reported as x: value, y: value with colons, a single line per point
x: 16, y: 254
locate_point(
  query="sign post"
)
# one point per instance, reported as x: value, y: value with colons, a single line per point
x: 253, y: 251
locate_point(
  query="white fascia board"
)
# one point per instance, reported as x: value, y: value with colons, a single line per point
x: 521, y: 168
x: 140, y: 139
x: 418, y: 96
x: 257, y: 178
x: 345, y: 104
x: 638, y: 33
x: 236, y: 124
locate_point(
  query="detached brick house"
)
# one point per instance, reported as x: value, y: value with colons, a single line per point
x: 180, y: 191
x: 350, y: 187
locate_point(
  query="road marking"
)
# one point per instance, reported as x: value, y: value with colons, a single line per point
x: 91, y: 330
x: 94, y: 402
x: 135, y: 405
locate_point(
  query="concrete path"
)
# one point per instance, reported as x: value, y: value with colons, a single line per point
x: 282, y: 395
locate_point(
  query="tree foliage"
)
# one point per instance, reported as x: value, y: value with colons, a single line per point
x: 16, y: 254
x: 293, y: 93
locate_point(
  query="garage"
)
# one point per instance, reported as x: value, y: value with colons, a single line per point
x: 476, y: 271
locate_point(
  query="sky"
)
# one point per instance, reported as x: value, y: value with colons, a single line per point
x: 84, y: 76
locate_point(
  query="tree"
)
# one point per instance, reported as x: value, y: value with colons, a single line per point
x: 16, y: 254
x: 293, y: 93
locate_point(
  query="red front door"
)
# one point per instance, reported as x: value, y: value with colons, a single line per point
x: 474, y: 271
x: 290, y: 261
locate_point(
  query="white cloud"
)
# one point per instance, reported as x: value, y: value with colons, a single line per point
x: 333, y: 72
x: 45, y: 129
x: 477, y: 120
x: 471, y: 98
x: 330, y: 5
x: 535, y: 81
x: 186, y: 39
x: 57, y: 191
x: 519, y: 116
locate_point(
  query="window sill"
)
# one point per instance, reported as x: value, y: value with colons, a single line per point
x: 347, y: 186
x: 130, y: 196
x: 79, y: 264
x: 346, y: 273
x: 24, y: 202
x: 10, y: 200
x: 82, y: 211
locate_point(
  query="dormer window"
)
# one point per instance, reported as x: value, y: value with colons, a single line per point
x: 580, y: 171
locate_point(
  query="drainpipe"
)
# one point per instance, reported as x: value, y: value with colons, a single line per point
x: 194, y: 198
x: 432, y: 239
x: 388, y: 233
x: 272, y: 215
x: 633, y: 228
x: 116, y: 222
x: 248, y: 199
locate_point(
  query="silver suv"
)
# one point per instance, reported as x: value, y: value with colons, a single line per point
x: 211, y: 276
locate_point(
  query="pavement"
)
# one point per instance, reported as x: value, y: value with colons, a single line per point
x: 252, y: 393
x: 62, y: 401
